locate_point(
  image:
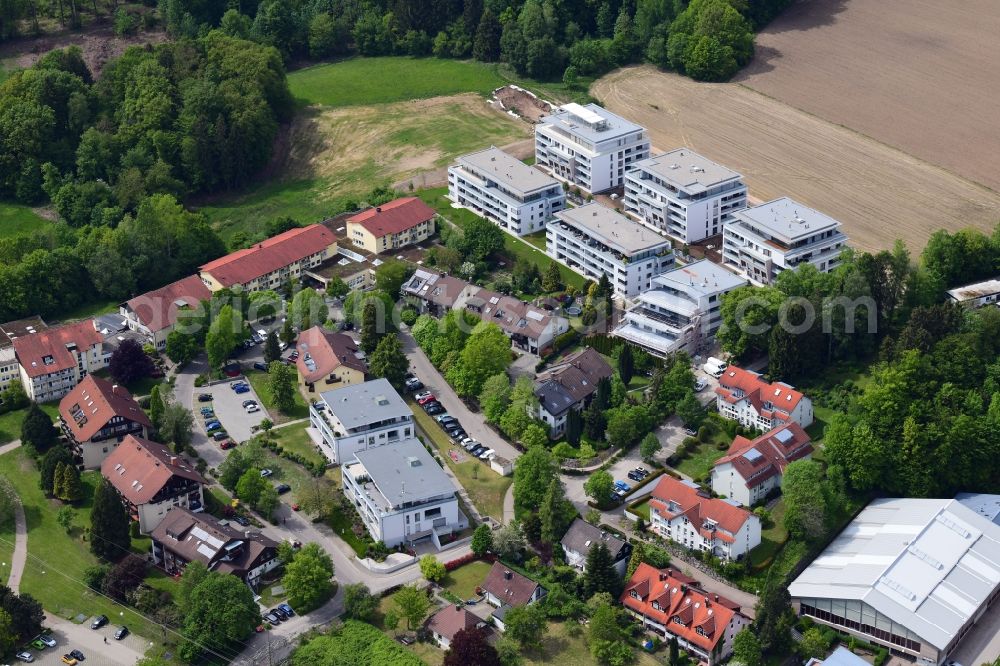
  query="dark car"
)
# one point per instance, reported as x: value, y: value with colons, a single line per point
x: 121, y: 633
x: 434, y: 409
x: 99, y: 622
x: 414, y: 385
x: 476, y: 451
x: 273, y: 619
x: 241, y: 520
x: 287, y: 609
x: 220, y: 435
x: 283, y: 488
x: 260, y: 366
x: 204, y: 397
x: 76, y: 654
x: 635, y: 476
x: 280, y: 613
x: 247, y: 403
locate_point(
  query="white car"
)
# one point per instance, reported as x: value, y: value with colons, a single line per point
x: 699, y: 385
x: 469, y: 445
x: 420, y: 396
x: 487, y: 454
x: 264, y: 473
x: 282, y: 345
x: 252, y: 408
x: 48, y: 640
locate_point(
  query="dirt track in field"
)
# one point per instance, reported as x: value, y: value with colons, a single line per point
x: 878, y: 192
x: 920, y: 75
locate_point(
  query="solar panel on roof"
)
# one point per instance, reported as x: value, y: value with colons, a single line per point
x: 752, y: 455
x: 783, y: 435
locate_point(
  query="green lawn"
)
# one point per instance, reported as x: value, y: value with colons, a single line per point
x: 91, y: 309
x: 391, y: 79
x: 560, y: 646
x: 642, y: 509
x: 772, y: 537
x: 464, y: 580
x: 699, y: 462
x: 536, y: 239
x: 10, y: 423
x: 138, y: 388
x: 258, y: 380
x: 16, y: 218
x: 486, y: 488
x: 296, y: 440
x: 56, y: 561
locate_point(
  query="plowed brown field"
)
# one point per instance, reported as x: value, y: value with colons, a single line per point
x: 878, y: 192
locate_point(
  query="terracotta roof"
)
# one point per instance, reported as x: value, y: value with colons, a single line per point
x: 696, y: 505
x: 95, y: 401
x: 244, y: 266
x: 774, y: 450
x: 157, y: 309
x: 139, y: 469
x: 322, y: 352
x: 783, y: 397
x: 508, y: 586
x: 678, y: 596
x: 393, y: 217
x: 54, y: 343
x: 201, y: 537
x: 450, y: 620
x: 575, y: 377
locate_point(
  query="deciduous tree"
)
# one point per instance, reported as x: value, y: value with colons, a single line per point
x: 526, y: 625
x: 221, y: 612
x: 649, y: 447
x: 129, y: 362
x: 599, y: 486
x: 432, y: 569
x: 307, y: 578
x: 359, y: 602
x: 482, y: 540
x: 412, y: 605
x: 470, y: 646
x: 747, y: 649
x: 281, y: 384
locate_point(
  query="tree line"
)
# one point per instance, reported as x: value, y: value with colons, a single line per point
x: 543, y: 39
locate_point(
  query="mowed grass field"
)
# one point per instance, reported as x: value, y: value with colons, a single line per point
x: 16, y: 218
x: 362, y: 81
x: 879, y: 193
x: 369, y: 123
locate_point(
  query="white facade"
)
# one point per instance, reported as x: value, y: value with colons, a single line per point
x: 708, y: 536
x: 593, y: 240
x: 519, y: 198
x: 588, y: 146
x: 779, y: 235
x: 359, y: 417
x: 684, y: 195
x: 681, y: 310
x: 742, y: 396
x: 9, y: 370
x: 971, y: 295
x: 401, y: 494
x: 151, y: 513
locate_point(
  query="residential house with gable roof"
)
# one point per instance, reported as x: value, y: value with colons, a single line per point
x: 155, y: 314
x: 10, y: 371
x: 151, y: 480
x: 744, y: 396
x: 569, y: 384
x: 97, y: 416
x: 680, y: 511
x: 581, y: 537
x: 436, y: 293
x: 505, y: 589
x: 328, y: 360
x: 751, y: 469
x: 673, y: 605
x: 393, y: 225
x: 453, y: 618
x: 54, y: 360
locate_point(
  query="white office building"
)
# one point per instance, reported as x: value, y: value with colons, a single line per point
x: 594, y: 240
x: 360, y: 417
x: 681, y: 309
x: 402, y: 494
x: 588, y: 146
x: 684, y: 195
x: 505, y: 190
x: 764, y: 240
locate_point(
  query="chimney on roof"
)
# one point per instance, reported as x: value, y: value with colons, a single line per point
x: 663, y: 576
x: 670, y: 572
x: 716, y: 598
x: 378, y: 209
x: 246, y: 534
x: 173, y: 460
x: 114, y: 389
x: 507, y: 575
x: 458, y: 607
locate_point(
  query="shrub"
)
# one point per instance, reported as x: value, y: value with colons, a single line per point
x: 454, y: 564
x: 408, y: 316
x: 704, y: 434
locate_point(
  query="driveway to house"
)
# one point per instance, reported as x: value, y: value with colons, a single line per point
x: 474, y: 424
x: 91, y: 643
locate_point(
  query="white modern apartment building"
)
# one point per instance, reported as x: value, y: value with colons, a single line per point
x: 594, y: 240
x: 359, y: 417
x: 684, y: 195
x: 505, y: 190
x: 681, y: 309
x: 764, y: 240
x: 402, y: 494
x: 588, y: 146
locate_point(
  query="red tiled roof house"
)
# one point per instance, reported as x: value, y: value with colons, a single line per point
x: 328, y: 360
x: 743, y: 396
x: 681, y: 512
x: 97, y: 416
x: 271, y: 263
x: 753, y: 468
x: 396, y: 224
x: 448, y: 621
x: 151, y: 480
x: 670, y: 604
x: 155, y: 313
x: 54, y: 360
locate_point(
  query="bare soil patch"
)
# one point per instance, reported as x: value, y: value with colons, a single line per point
x: 98, y: 43
x: 919, y: 75
x: 879, y: 193
x: 525, y: 104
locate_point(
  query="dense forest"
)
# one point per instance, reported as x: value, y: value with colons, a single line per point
x: 116, y: 155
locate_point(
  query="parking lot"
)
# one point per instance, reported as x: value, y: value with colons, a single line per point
x: 91, y: 643
x: 229, y: 410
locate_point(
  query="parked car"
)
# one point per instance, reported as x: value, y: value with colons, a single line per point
x: 622, y: 486
x: 247, y: 403
x: 99, y: 622
x: 699, y: 385
x: 479, y: 449
x: 48, y: 640
x: 76, y: 654
x: 487, y: 454
x: 38, y: 644
x: 252, y: 408
x: 121, y: 633
x: 266, y: 472
x: 257, y: 365
x: 294, y: 356
x: 68, y: 660
x: 436, y: 408
x: 273, y: 619
x: 635, y: 476
x: 25, y: 656
x: 457, y: 432
x: 690, y: 432
x: 427, y: 397
x: 282, y: 345
x: 204, y: 397
x: 227, y: 444
x: 280, y: 613
x: 288, y: 609
x: 413, y: 384
x: 220, y: 435
x: 283, y: 488
x: 242, y: 389
x: 207, y: 411
x: 235, y: 385
x: 242, y: 520
x: 445, y: 418
x: 213, y: 426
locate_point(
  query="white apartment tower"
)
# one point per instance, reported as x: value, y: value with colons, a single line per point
x: 684, y: 195
x: 764, y: 240
x: 681, y: 309
x: 594, y: 240
x: 588, y: 146
x: 519, y: 198
x: 360, y: 417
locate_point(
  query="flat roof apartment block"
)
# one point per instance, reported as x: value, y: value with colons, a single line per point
x: 594, y: 240
x: 359, y: 417
x: 680, y: 311
x: 519, y: 198
x: 684, y: 195
x: 588, y: 146
x: 402, y: 494
x: 764, y: 240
